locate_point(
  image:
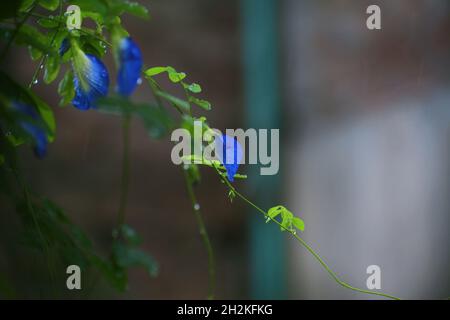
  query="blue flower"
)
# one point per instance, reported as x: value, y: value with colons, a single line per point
x: 229, y: 152
x: 130, y: 66
x: 65, y: 45
x: 90, y: 78
x: 36, y: 132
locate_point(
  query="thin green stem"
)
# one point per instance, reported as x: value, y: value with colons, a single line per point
x: 44, y: 57
x: 125, y: 180
x: 87, y: 32
x: 304, y: 244
x: 60, y: 20
x: 333, y: 274
x: 154, y: 86
x: 204, y: 236
x: 186, y: 93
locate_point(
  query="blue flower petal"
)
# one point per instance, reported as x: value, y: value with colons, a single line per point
x: 65, y: 45
x: 130, y: 67
x: 229, y: 152
x: 38, y: 135
x: 91, y: 81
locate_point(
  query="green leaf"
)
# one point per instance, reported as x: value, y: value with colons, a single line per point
x: 66, y: 89
x: 52, y: 66
x: 95, y: 16
x: 48, y: 23
x: 155, y: 71
x: 193, y: 87
x: 156, y: 120
x: 15, y: 92
x: 93, y: 44
x: 298, y: 223
x: 99, y: 6
x: 201, y: 103
x: 49, y: 4
x: 126, y: 257
x: 46, y: 114
x: 286, y: 220
x: 30, y: 36
x: 130, y: 235
x: 25, y: 5
x: 172, y: 99
x: 34, y: 53
x: 176, y: 77
x: 275, y: 211
x: 116, y: 276
x: 135, y: 9
x: 173, y: 75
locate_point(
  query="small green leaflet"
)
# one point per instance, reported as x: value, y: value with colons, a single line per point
x: 201, y: 103
x: 155, y: 71
x: 288, y: 220
x: 173, y: 75
x: 193, y: 87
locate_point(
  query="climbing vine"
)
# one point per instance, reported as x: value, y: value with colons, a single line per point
x: 65, y: 48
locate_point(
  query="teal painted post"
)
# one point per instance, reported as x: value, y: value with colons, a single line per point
x: 262, y: 111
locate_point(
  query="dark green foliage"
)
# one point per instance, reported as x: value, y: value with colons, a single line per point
x: 40, y: 26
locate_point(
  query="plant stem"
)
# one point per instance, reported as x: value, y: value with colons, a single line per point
x: 154, y: 86
x: 125, y: 180
x: 304, y: 244
x: 186, y: 93
x: 204, y: 235
x: 44, y: 58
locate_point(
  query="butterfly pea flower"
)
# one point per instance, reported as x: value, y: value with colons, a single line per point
x: 129, y: 59
x: 91, y: 78
x: 65, y: 45
x: 229, y: 152
x: 36, y: 132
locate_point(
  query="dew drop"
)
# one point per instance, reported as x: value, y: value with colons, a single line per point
x: 139, y: 81
x: 196, y: 206
x: 35, y: 81
x: 42, y: 66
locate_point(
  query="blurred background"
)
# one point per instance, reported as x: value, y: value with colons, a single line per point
x: 365, y: 158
